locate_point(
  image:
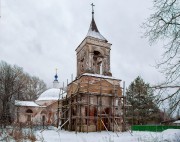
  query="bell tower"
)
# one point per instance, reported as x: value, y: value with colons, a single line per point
x: 95, y: 86
x: 93, y: 54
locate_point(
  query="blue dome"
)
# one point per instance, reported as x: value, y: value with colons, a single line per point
x: 56, y: 77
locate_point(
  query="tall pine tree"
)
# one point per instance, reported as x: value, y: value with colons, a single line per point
x: 143, y: 108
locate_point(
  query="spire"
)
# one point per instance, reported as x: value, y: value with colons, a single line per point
x: 93, y: 30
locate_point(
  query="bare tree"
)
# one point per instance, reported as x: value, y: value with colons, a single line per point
x: 10, y: 85
x: 34, y: 87
x: 15, y: 84
x: 164, y: 25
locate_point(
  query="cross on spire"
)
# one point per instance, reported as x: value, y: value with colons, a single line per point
x: 92, y: 9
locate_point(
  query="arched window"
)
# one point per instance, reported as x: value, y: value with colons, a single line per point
x: 97, y: 53
x: 43, y: 118
x: 43, y: 112
x: 97, y: 62
x: 29, y: 111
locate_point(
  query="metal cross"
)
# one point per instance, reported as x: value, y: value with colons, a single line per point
x: 92, y: 7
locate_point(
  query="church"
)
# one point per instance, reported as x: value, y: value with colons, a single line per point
x: 92, y: 102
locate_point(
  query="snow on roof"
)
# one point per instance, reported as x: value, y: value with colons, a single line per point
x: 95, y: 35
x: 52, y: 94
x: 94, y: 32
x: 100, y: 76
x: 26, y: 103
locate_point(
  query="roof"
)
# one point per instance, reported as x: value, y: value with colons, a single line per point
x: 177, y: 122
x: 51, y: 94
x: 100, y: 76
x: 26, y: 103
x: 94, y: 32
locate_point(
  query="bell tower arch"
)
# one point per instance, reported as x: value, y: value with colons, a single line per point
x: 93, y: 54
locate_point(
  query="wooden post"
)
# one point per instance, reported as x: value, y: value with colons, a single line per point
x: 97, y: 116
x: 80, y: 112
x: 88, y: 106
x: 70, y: 120
x: 58, y: 114
x: 113, y: 105
x: 58, y: 109
x: 100, y: 103
x: 124, y: 107
x: 78, y: 108
x: 66, y: 115
x: 76, y: 112
x: 105, y: 126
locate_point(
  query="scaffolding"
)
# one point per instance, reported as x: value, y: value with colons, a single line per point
x: 90, y: 108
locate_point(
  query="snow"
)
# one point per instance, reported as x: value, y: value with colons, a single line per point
x: 51, y: 94
x: 177, y: 122
x: 26, y: 103
x: 171, y: 135
x: 100, y: 76
x: 95, y: 35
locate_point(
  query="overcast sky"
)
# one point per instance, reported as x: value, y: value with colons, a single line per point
x: 41, y: 35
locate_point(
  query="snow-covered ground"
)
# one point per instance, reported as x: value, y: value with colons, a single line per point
x: 170, y: 135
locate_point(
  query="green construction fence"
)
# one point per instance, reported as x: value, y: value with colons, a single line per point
x: 152, y: 128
